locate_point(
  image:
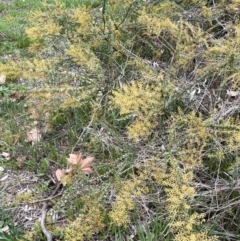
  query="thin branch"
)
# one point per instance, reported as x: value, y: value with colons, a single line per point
x: 44, y: 214
x: 47, y: 199
x: 83, y: 132
x: 44, y: 230
x: 103, y: 15
x: 124, y: 18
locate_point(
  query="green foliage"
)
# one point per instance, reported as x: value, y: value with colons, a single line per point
x: 147, y: 88
x: 153, y: 231
x: 13, y: 234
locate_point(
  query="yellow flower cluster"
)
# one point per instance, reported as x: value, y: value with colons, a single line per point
x: 179, y: 195
x: 179, y: 188
x: 141, y: 101
x: 37, y: 68
x: 86, y: 224
x: 125, y: 201
x: 84, y: 57
x: 36, y: 32
x: 12, y: 70
x: 196, y: 136
x: 83, y: 18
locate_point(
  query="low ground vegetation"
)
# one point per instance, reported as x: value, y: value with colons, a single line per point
x: 119, y: 120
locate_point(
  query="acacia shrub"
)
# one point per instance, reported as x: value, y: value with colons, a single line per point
x: 164, y: 69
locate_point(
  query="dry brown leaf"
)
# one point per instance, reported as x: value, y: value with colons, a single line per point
x: 70, y: 170
x: 60, y: 174
x: 16, y: 96
x: 232, y: 93
x: 75, y: 159
x: 20, y: 160
x: 34, y: 114
x: 6, y: 155
x: 2, y: 79
x: 33, y: 136
x: 47, y: 128
x: 85, y: 165
x: 63, y: 177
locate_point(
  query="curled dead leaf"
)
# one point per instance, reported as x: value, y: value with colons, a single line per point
x: 60, y: 174
x: 63, y: 177
x: 34, y: 114
x: 75, y: 159
x: 6, y: 155
x: 16, y: 96
x: 20, y: 160
x: 33, y: 136
x: 70, y: 170
x: 85, y: 165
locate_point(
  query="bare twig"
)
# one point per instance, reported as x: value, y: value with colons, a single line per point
x: 44, y: 230
x: 44, y: 214
x: 125, y: 17
x: 47, y: 199
x: 80, y: 137
x: 218, y: 187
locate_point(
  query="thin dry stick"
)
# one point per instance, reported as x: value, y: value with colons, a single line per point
x: 44, y: 230
x: 80, y: 137
x: 46, y: 199
x: 44, y: 214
